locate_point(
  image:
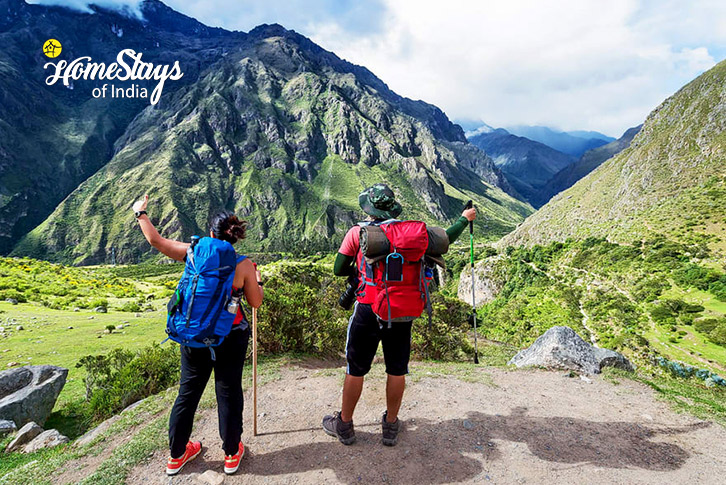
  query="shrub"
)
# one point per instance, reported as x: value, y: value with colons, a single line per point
x: 718, y: 334
x: 121, y: 377
x: 447, y: 338
x: 130, y: 307
x: 706, y: 325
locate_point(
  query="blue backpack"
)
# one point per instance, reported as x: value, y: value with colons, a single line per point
x: 197, y: 312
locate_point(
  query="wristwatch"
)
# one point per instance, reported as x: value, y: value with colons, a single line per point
x: 139, y: 213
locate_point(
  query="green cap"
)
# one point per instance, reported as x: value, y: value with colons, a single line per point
x: 380, y: 202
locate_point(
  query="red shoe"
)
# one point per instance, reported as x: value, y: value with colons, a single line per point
x: 231, y: 463
x: 174, y: 465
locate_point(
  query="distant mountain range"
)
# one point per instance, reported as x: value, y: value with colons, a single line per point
x: 527, y: 164
x: 264, y: 123
x: 536, y: 170
x: 574, y: 143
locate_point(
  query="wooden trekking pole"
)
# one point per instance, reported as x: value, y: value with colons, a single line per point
x: 254, y: 370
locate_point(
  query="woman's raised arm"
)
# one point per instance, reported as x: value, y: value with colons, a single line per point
x: 173, y: 249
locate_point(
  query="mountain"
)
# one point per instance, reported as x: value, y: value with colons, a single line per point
x: 527, y: 164
x: 671, y: 181
x: 52, y: 137
x: 589, y: 161
x: 573, y: 143
x: 271, y: 126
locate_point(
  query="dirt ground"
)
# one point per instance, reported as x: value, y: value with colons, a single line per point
x: 526, y: 427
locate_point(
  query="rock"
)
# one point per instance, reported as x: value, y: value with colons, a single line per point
x: 100, y: 309
x: 91, y: 317
x: 7, y: 427
x: 70, y: 328
x: 26, y: 434
x: 137, y: 315
x: 119, y: 327
x: 46, y: 439
x: 29, y: 393
x: 12, y: 364
x: 562, y: 348
x: 488, y: 282
x: 211, y: 477
x: 468, y: 424
x: 19, y: 328
x: 148, y: 310
x: 97, y: 431
x: 2, y: 329
x: 12, y: 301
x: 76, y: 309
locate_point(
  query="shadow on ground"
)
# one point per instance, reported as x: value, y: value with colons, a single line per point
x: 456, y: 450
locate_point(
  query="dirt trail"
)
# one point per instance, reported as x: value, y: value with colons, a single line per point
x: 528, y: 427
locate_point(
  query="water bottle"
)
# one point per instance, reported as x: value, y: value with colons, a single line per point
x: 233, y: 305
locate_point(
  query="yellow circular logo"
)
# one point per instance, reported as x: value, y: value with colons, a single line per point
x: 52, y: 48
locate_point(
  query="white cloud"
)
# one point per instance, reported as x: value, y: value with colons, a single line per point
x: 570, y: 64
x: 129, y: 6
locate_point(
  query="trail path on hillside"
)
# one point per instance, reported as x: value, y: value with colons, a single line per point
x: 527, y: 426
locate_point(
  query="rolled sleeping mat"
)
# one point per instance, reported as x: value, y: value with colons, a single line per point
x: 438, y: 245
x: 373, y: 243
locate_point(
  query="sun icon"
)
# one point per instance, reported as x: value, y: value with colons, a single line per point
x: 52, y: 48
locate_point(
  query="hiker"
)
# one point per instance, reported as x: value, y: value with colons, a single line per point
x: 227, y: 358
x: 366, y: 329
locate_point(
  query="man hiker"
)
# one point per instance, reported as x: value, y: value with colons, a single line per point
x: 366, y: 329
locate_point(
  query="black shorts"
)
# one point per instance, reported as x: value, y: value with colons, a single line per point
x: 365, y: 330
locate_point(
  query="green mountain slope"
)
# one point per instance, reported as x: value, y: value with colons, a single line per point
x: 286, y: 134
x: 670, y: 181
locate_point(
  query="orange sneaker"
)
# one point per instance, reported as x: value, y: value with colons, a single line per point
x: 174, y: 465
x: 231, y: 462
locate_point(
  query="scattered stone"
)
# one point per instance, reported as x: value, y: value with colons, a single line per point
x: 586, y: 379
x: 12, y: 364
x: 148, y: 310
x: 561, y: 348
x: 210, y: 477
x: 12, y: 301
x: 7, y: 427
x: 119, y: 327
x: 29, y: 393
x: 70, y: 328
x: 76, y: 309
x: 647, y: 417
x: 100, y: 336
x: 100, y: 309
x: 468, y: 424
x: 46, y: 439
x: 137, y: 315
x: 710, y: 382
x: 26, y: 434
x: 107, y: 331
x: 97, y: 431
x: 6, y: 350
x: 19, y: 328
x: 91, y: 317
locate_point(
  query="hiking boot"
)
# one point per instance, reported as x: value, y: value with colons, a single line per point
x: 334, y: 426
x: 231, y: 462
x: 390, y: 430
x: 174, y: 465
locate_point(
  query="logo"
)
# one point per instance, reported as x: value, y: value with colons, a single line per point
x: 128, y: 66
x: 52, y: 48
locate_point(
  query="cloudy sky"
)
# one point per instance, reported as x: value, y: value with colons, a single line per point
x: 570, y: 64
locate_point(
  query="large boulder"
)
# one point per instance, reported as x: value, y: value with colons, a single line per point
x: 29, y: 393
x: 7, y: 427
x: 488, y: 281
x: 562, y: 348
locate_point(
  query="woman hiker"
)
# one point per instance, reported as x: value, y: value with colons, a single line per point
x: 197, y: 363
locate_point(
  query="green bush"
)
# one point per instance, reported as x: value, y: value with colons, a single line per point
x: 122, y: 377
x: 130, y: 307
x: 447, y: 338
x: 718, y: 334
x: 706, y: 325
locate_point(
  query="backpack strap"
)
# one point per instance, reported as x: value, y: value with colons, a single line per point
x: 241, y: 258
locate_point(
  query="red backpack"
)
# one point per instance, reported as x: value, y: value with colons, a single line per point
x: 395, y: 282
